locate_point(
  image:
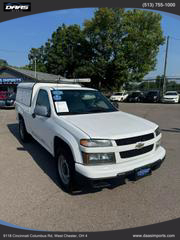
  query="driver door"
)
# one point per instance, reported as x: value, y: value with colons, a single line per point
x: 41, y: 125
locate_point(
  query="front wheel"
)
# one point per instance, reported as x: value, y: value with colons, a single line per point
x: 24, y: 136
x: 66, y: 171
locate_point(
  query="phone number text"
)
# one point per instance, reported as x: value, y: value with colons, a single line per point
x: 158, y: 4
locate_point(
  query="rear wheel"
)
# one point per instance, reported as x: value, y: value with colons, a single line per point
x: 24, y: 136
x: 66, y: 170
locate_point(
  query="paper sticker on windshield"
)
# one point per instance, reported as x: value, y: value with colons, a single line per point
x: 61, y: 107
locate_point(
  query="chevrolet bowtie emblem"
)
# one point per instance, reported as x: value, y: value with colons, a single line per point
x: 139, y: 145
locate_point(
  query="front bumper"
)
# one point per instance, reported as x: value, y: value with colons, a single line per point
x: 116, y: 100
x: 116, y: 170
x: 170, y: 100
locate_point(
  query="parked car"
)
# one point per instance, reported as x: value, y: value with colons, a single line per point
x: 171, y: 97
x: 136, y: 96
x: 10, y: 101
x: 86, y: 134
x: 119, y: 96
x: 2, y: 103
x: 153, y: 96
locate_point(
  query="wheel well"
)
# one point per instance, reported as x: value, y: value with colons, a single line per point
x: 60, y: 144
x: 20, y: 116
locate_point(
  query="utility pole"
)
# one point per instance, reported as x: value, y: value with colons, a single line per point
x: 35, y: 67
x: 165, y: 65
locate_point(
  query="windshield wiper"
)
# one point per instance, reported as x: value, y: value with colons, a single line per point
x: 100, y: 110
x: 72, y: 113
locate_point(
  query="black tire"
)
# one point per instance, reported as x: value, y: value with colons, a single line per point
x: 66, y: 170
x: 24, y: 136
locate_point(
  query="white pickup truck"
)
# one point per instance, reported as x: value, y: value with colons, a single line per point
x: 86, y: 133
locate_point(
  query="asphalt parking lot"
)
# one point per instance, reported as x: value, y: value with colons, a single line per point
x: 31, y: 197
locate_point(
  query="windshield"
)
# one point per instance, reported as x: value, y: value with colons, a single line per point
x: 170, y: 93
x: 68, y: 102
x: 152, y: 93
x: 135, y: 94
x: 118, y: 94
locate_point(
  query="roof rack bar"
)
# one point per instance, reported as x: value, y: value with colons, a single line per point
x: 74, y: 80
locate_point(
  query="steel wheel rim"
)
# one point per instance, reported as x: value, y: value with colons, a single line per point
x: 63, y: 169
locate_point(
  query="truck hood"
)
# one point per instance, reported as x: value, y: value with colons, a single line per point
x: 112, y: 125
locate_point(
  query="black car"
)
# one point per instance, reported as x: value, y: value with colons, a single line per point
x: 153, y: 96
x: 137, y: 96
x: 9, y: 102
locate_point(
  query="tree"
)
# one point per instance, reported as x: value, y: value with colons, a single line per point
x: 114, y: 48
x: 124, y: 43
x: 172, y: 85
x: 3, y: 62
x: 68, y: 52
x: 36, y: 56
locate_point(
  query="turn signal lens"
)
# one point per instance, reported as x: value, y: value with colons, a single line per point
x: 95, y: 143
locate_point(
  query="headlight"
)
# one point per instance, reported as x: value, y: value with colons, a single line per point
x: 157, y: 131
x: 95, y: 143
x: 98, y: 158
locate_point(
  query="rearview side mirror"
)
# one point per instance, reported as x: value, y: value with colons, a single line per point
x: 41, y: 111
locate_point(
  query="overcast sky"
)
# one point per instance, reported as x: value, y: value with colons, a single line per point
x: 18, y: 36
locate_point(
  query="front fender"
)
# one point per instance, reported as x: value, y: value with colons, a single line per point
x: 72, y: 142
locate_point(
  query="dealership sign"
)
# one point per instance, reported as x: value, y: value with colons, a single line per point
x: 10, y: 80
x: 17, y: 6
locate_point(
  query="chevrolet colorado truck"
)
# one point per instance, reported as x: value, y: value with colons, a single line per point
x: 85, y: 132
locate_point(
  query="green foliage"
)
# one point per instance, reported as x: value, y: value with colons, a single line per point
x: 113, y: 48
x: 3, y: 62
x: 158, y: 84
x: 148, y: 85
x: 125, y: 43
x: 38, y: 55
x: 67, y: 53
x: 173, y: 86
